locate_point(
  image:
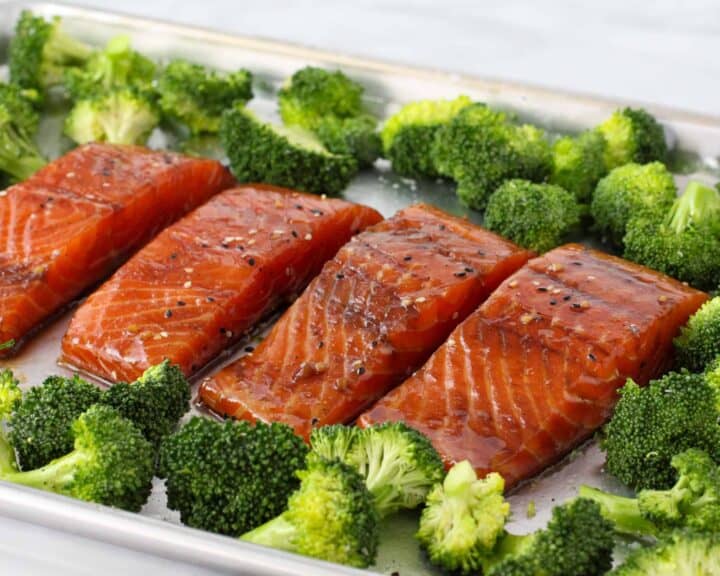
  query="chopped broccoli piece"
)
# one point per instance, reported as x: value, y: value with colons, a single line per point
x: 683, y: 553
x: 535, y: 216
x: 10, y: 397
x: 155, y: 402
x: 628, y: 192
x: 686, y: 243
x: 284, y: 156
x: 480, y: 149
x: 578, y: 164
x: 111, y: 463
x: 652, y: 424
x: 7, y: 345
x: 463, y: 519
x: 632, y: 135
x: 699, y: 342
x: 330, y: 517
x: 313, y: 93
x: 41, y: 426
x: 408, y: 136
x: 40, y: 52
x: 356, y: 137
x: 334, y: 442
x: 19, y: 156
x: 692, y: 502
x: 120, y: 117
x: 197, y: 96
x: 230, y: 477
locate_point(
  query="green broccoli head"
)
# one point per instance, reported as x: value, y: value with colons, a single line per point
x: 682, y: 553
x: 628, y: 192
x: 111, y: 463
x: 578, y: 164
x: 578, y: 541
x: 698, y: 344
x: 155, y: 402
x: 284, y: 156
x: 356, y: 137
x: 632, y: 135
x: 197, y: 96
x: 480, y: 149
x: 313, y: 93
x: 652, y: 424
x: 463, y: 519
x: 117, y: 117
x: 330, y: 516
x: 535, y: 216
x: 399, y: 464
x: 408, y: 136
x: 10, y: 398
x: 230, y: 477
x: 19, y: 155
x: 40, y: 52
x: 41, y: 426
x: 334, y: 442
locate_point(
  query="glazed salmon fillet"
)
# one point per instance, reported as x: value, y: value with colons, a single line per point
x: 372, y: 317
x: 536, y: 369
x: 205, y: 281
x: 77, y: 219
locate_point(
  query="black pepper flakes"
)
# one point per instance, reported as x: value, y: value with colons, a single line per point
x: 481, y: 253
x: 542, y: 289
x: 442, y: 226
x: 339, y: 275
x: 577, y: 263
x: 321, y: 344
x: 374, y: 344
x: 553, y: 302
x: 299, y: 206
x: 315, y: 421
x: 251, y: 261
x: 469, y: 270
x: 223, y: 330
x: 168, y: 313
x: 249, y: 349
x: 407, y: 258
x: 361, y: 370
x: 173, y: 256
x: 181, y: 303
x: 576, y: 306
x: 592, y: 357
x: 316, y: 212
x: 294, y: 233
x: 567, y: 297
x: 210, y: 299
x: 461, y: 274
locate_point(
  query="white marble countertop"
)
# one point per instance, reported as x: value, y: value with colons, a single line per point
x: 664, y: 53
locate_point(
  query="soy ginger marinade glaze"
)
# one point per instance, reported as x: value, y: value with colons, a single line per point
x: 536, y: 369
x: 77, y: 219
x: 205, y: 281
x: 375, y: 313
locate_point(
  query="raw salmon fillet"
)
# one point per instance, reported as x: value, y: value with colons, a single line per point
x: 205, y: 281
x: 376, y: 312
x: 77, y: 219
x: 536, y: 369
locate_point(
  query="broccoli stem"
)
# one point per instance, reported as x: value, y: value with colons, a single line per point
x: 277, y: 533
x: 64, y: 48
x: 623, y: 512
x: 7, y: 456
x: 509, y: 546
x: 54, y: 477
x: 698, y: 203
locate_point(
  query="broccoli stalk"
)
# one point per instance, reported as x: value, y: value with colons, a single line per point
x: 692, y: 502
x: 10, y: 397
x: 330, y: 517
x: 699, y: 203
x: 111, y: 463
x: 40, y: 52
x: 698, y: 344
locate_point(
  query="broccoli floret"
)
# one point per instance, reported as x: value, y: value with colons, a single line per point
x: 155, y: 402
x: 313, y: 93
x: 280, y: 155
x: 463, y: 519
x: 120, y: 117
x: 330, y: 517
x: 334, y: 442
x: 628, y: 192
x: 111, y: 463
x: 40, y: 52
x: 652, y: 424
x: 197, y: 96
x: 685, y: 243
x: 408, y: 136
x: 10, y: 397
x: 230, y: 477
x: 535, y: 216
x: 19, y: 156
x: 699, y: 342
x: 578, y: 164
x: 632, y: 135
x: 682, y: 553
x: 356, y: 137
x: 41, y: 426
x: 480, y: 149
x: 693, y: 501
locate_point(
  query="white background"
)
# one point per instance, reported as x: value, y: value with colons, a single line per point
x: 665, y: 52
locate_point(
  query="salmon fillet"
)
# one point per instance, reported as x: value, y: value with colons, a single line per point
x: 205, y: 281
x: 77, y: 219
x: 372, y: 317
x: 536, y: 369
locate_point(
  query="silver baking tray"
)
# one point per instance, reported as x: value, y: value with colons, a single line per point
x: 157, y: 530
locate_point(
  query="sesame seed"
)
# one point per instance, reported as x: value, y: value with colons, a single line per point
x: 526, y: 318
x: 189, y: 270
x: 228, y: 333
x: 308, y: 236
x: 662, y: 298
x: 405, y: 302
x: 163, y: 334
x: 554, y: 267
x: 252, y: 231
x: 70, y: 174
x: 251, y: 242
x: 420, y: 300
x: 591, y: 277
x: 278, y: 232
x: 513, y: 283
x: 187, y: 284
x: 585, y: 304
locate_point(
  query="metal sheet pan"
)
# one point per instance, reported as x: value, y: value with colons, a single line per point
x: 156, y: 530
